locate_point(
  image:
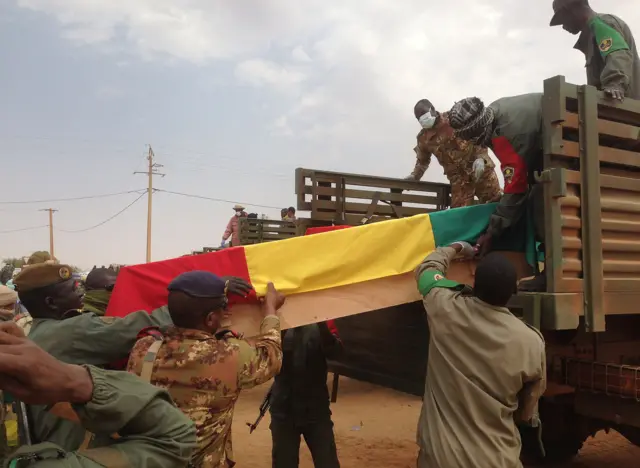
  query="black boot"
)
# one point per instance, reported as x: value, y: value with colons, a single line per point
x: 536, y: 284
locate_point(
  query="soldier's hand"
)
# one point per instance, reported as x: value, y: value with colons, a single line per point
x: 483, y: 245
x: 33, y: 376
x: 237, y: 286
x: 273, y: 299
x: 614, y: 93
x: 466, y: 250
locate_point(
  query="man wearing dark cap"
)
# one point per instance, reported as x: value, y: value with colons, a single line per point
x: 512, y: 128
x: 467, y: 166
x: 51, y: 296
x: 606, y: 41
x: 205, y: 368
x: 98, y: 287
x: 486, y: 368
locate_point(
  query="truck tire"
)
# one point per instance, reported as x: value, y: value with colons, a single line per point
x: 563, y: 434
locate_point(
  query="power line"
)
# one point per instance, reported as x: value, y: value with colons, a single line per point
x: 217, y: 199
x: 108, y: 219
x: 24, y: 229
x: 87, y: 197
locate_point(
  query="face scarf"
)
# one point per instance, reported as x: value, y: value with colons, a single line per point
x: 96, y: 301
x: 472, y: 121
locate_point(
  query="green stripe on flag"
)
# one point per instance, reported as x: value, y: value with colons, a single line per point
x: 469, y: 222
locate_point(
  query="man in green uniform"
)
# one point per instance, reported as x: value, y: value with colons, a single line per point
x: 610, y: 50
x: 205, y: 368
x: 98, y: 287
x: 51, y: 296
x: 152, y: 431
x: 512, y: 128
x: 468, y: 167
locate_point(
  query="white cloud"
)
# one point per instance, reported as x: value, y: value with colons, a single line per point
x: 258, y: 72
x: 345, y: 71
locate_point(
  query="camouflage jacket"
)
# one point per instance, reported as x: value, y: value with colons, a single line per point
x: 204, y: 376
x: 454, y: 155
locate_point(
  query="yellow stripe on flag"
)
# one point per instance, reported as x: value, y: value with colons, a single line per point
x: 342, y: 257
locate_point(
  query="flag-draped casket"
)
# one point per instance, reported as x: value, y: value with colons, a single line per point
x: 332, y: 274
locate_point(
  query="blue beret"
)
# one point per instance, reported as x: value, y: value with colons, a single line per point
x: 199, y: 284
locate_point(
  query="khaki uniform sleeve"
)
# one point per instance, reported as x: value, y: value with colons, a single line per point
x: 104, y: 340
x: 153, y: 432
x: 260, y: 358
x: 437, y: 260
x: 535, y: 384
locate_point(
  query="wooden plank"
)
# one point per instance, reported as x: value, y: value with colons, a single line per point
x: 571, y: 149
x: 629, y: 133
x: 608, y: 181
x: 361, y: 208
x: 386, y: 196
x: 627, y: 111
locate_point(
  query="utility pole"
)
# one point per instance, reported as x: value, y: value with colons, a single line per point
x: 151, y: 171
x: 51, y: 211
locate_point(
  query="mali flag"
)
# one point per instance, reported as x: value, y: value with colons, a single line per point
x: 356, y: 270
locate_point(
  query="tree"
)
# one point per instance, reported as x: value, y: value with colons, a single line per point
x: 14, y: 262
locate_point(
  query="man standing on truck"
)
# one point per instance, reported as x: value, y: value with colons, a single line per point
x: 233, y: 227
x: 512, y: 128
x: 613, y: 65
x: 485, y: 369
x: 467, y: 166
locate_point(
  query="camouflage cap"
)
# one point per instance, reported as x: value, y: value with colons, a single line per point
x: 41, y: 275
x: 8, y: 296
x: 559, y: 6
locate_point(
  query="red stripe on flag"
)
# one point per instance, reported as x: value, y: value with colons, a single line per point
x: 144, y: 287
x: 321, y: 229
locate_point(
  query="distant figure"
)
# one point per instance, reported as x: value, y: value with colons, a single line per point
x: 290, y: 214
x: 468, y: 167
x: 8, y: 300
x: 233, y: 227
x: 283, y: 214
x: 613, y: 65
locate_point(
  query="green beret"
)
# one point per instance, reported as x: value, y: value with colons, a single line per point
x: 41, y: 275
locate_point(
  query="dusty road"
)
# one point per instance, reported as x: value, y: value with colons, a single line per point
x: 375, y: 427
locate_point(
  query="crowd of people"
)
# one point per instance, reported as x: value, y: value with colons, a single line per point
x: 158, y: 389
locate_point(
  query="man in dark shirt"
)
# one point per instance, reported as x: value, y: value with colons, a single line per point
x: 300, y: 398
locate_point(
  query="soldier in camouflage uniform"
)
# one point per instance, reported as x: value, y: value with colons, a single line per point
x: 205, y: 369
x: 468, y: 167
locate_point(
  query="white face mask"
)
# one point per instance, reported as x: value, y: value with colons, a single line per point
x: 427, y: 121
x: 238, y: 213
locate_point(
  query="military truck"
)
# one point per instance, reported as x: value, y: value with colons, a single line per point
x: 589, y: 313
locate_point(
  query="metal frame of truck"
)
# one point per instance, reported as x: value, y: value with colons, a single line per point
x: 589, y: 314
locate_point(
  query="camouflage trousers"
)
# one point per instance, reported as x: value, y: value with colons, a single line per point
x: 487, y: 189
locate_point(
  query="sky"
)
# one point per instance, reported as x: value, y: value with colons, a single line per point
x: 232, y: 97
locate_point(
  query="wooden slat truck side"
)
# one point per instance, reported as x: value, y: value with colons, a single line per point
x: 590, y: 313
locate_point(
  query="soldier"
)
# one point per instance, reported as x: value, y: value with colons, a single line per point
x: 152, y: 431
x: 486, y: 368
x: 512, y: 128
x: 606, y: 41
x: 468, y: 167
x: 233, y: 227
x: 98, y: 287
x: 8, y: 299
x: 300, y: 399
x: 51, y: 296
x: 205, y: 368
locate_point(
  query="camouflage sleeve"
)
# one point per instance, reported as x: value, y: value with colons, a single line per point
x: 103, y: 340
x: 260, y: 358
x: 421, y: 166
x: 152, y: 431
x: 615, y: 52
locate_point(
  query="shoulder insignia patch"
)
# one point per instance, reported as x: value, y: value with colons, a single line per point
x: 64, y: 273
x: 606, y: 44
x: 507, y: 173
x: 437, y: 277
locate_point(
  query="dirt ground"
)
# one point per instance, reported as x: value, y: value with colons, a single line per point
x: 376, y: 427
